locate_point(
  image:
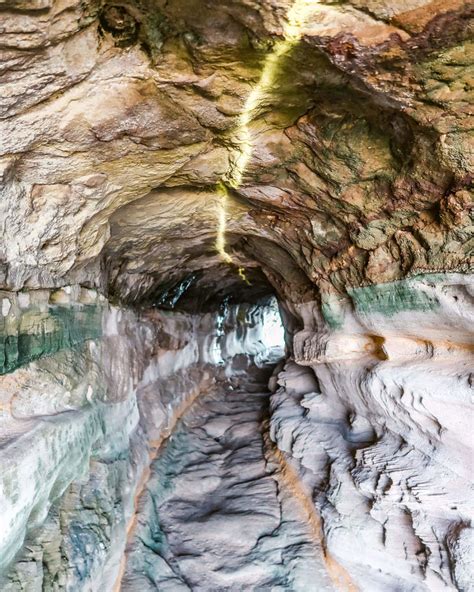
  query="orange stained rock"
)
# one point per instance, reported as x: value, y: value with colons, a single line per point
x: 155, y: 448
x: 339, y: 576
x: 416, y: 19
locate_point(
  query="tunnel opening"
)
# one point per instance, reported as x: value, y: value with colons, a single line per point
x: 235, y: 301
x: 253, y: 338
x: 273, y: 331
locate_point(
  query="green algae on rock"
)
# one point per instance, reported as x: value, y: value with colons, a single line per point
x: 35, y: 334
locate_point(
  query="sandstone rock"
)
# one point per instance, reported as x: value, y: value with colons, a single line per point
x: 167, y: 167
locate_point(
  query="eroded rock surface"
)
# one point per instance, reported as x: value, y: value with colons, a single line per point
x: 120, y: 120
x: 215, y: 515
x: 372, y: 413
x: 166, y: 167
x: 80, y: 425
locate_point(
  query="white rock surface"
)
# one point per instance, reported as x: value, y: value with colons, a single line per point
x: 198, y: 153
x: 80, y: 426
x: 376, y: 416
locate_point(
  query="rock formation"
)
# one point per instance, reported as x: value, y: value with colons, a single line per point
x: 170, y: 170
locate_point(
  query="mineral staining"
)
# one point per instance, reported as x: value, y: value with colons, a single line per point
x: 405, y: 295
x: 197, y: 529
x: 45, y: 334
x: 151, y: 152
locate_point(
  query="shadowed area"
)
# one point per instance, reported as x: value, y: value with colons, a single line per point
x: 236, y: 322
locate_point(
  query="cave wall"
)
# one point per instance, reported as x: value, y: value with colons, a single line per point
x: 118, y: 122
x: 89, y: 392
x: 372, y: 413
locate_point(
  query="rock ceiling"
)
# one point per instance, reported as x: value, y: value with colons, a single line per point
x: 187, y: 153
x: 122, y: 122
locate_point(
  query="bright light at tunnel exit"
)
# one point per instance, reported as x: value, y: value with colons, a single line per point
x: 273, y: 332
x: 296, y: 18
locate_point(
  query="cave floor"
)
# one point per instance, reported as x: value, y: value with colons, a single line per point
x: 221, y: 514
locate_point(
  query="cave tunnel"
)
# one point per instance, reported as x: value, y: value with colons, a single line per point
x: 236, y: 295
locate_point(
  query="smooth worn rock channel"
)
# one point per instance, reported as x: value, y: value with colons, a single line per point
x: 217, y: 512
x: 184, y: 186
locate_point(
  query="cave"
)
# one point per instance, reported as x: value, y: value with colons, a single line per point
x: 237, y: 295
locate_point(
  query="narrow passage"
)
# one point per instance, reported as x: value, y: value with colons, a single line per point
x: 216, y: 515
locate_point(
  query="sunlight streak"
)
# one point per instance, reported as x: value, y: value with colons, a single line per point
x: 297, y: 17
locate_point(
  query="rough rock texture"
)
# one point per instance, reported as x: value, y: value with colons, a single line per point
x: 119, y: 120
x: 214, y: 515
x: 194, y: 155
x: 79, y: 426
x: 374, y: 413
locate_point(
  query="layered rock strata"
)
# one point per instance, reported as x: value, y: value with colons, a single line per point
x: 193, y: 155
x: 81, y: 423
x: 119, y: 121
x: 373, y: 413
